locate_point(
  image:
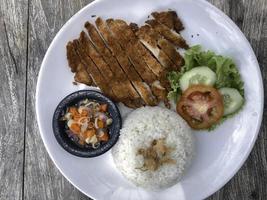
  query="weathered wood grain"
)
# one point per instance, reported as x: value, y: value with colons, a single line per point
x: 251, y: 180
x: 35, y: 177
x: 249, y: 183
x: 13, y: 31
x: 42, y: 180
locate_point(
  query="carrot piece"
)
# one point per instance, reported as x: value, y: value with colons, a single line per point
x: 100, y: 123
x: 75, y: 128
x: 103, y: 107
x: 104, y: 137
x: 76, y: 117
x: 89, y: 133
x: 84, y: 113
x: 73, y: 111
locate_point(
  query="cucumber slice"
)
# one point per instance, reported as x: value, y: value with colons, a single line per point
x: 197, y: 75
x: 232, y: 100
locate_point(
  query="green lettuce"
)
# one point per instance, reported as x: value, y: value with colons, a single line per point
x: 224, y: 67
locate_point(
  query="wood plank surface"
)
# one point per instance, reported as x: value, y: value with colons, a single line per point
x: 42, y: 180
x: 26, y: 30
x: 13, y: 43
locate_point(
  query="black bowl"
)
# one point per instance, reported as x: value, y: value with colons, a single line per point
x: 60, y: 130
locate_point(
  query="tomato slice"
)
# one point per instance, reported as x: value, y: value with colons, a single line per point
x: 201, y: 106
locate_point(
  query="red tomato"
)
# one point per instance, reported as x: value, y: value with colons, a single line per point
x: 201, y: 106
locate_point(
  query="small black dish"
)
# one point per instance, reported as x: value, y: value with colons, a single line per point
x: 59, y: 125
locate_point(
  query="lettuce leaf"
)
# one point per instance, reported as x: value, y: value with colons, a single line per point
x: 224, y: 67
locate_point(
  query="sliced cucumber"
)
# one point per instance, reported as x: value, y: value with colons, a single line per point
x: 198, y: 75
x: 232, y: 100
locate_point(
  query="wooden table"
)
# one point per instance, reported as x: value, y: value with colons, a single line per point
x: 27, y: 27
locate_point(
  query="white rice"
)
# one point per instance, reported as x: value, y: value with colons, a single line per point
x: 140, y: 128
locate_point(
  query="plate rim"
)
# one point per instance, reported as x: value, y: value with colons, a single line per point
x: 258, y: 71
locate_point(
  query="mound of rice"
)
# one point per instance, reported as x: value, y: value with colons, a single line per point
x: 140, y: 128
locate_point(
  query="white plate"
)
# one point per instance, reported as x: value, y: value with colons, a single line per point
x: 219, y: 154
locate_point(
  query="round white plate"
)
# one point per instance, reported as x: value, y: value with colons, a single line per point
x: 219, y: 153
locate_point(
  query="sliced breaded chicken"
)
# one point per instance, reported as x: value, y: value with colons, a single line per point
x: 130, y: 45
x: 150, y: 38
x: 93, y: 70
x: 81, y: 75
x: 95, y: 56
x: 119, y: 26
x: 118, y: 88
x: 150, y: 60
x: 167, y: 54
x: 168, y: 33
x: 128, y: 32
x: 113, y: 44
x: 102, y: 49
x: 74, y: 61
x: 113, y: 64
x: 171, y: 52
x: 129, y: 64
x: 169, y: 19
x: 159, y: 90
x: 72, y: 57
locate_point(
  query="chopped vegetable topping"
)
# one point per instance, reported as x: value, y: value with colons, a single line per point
x: 87, y: 123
